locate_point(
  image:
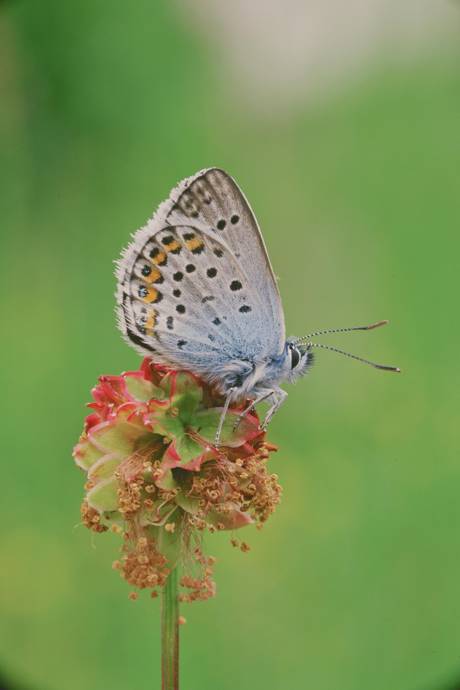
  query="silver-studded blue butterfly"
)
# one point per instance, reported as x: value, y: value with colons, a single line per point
x: 196, y: 290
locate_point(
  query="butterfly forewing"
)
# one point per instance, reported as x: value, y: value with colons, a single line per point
x: 195, y: 286
x: 213, y: 202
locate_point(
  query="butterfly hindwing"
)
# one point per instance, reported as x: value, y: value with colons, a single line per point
x: 196, y: 291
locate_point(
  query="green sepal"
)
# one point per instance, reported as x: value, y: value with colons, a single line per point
x: 105, y: 466
x: 112, y: 518
x: 104, y: 496
x: 190, y: 504
x: 86, y: 454
x: 187, y: 448
x: 185, y: 394
x: 166, y: 481
x: 168, y: 425
x: 207, y: 421
x: 117, y: 436
x: 142, y: 390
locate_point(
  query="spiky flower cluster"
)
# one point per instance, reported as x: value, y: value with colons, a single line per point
x: 155, y: 476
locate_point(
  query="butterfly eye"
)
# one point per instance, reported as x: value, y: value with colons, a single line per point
x: 295, y: 357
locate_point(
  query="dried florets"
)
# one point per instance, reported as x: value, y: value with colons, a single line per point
x: 155, y: 476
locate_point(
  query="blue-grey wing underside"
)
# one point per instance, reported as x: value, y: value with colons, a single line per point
x: 196, y: 289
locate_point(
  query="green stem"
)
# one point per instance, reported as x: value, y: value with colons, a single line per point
x: 170, y: 633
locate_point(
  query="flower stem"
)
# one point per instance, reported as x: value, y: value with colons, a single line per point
x: 170, y: 633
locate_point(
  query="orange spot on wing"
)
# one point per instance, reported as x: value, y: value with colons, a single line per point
x: 151, y: 322
x: 195, y: 243
x: 151, y: 296
x: 159, y: 259
x: 173, y: 246
x: 154, y: 277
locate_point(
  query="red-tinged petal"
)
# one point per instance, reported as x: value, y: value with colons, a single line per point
x: 157, y: 406
x: 232, y: 520
x: 117, y: 436
x: 171, y: 458
x: 91, y: 420
x: 146, y: 368
x: 85, y: 454
x: 129, y: 407
x: 151, y: 370
x: 195, y: 464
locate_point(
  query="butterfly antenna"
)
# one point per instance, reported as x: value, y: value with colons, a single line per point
x: 371, y: 326
x: 359, y: 359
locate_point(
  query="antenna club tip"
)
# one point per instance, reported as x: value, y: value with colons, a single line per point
x: 377, y: 324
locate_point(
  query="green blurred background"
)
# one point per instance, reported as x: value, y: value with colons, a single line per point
x: 355, y: 582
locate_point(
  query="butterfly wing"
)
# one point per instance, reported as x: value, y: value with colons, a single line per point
x: 195, y: 287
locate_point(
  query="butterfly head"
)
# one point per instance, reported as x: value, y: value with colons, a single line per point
x: 298, y: 359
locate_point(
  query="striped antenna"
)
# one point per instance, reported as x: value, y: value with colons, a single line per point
x: 359, y: 359
x: 342, y: 330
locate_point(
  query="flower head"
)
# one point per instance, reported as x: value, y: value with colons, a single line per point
x: 155, y: 476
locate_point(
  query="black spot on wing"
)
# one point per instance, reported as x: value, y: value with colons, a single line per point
x: 137, y: 340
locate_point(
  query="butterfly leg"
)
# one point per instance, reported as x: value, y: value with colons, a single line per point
x: 260, y: 398
x: 279, y: 397
x: 223, y: 415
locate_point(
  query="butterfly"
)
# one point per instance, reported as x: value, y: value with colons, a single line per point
x: 196, y: 290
